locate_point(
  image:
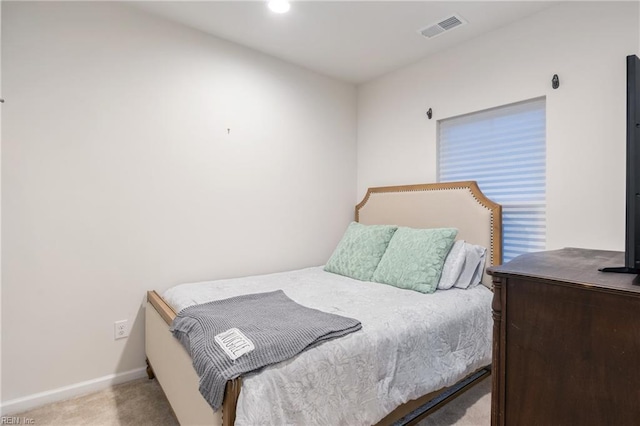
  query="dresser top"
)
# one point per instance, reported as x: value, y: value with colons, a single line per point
x: 571, y: 265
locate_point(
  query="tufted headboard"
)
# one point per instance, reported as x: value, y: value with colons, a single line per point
x: 458, y: 205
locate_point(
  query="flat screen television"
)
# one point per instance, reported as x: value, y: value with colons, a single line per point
x: 632, y: 233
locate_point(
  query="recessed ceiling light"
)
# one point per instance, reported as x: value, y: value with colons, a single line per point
x: 279, y: 6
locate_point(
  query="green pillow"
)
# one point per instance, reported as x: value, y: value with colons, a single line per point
x: 360, y: 250
x: 415, y: 258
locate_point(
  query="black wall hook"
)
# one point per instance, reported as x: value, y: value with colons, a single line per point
x: 429, y: 113
x: 555, y: 81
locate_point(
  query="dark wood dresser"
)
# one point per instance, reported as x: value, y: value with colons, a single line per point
x: 566, y: 341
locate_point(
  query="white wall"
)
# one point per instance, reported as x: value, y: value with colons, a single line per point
x: 119, y: 177
x: 586, y: 45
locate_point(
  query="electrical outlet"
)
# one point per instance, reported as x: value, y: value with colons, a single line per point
x: 121, y: 329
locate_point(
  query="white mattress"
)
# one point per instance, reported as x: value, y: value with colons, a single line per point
x: 410, y: 344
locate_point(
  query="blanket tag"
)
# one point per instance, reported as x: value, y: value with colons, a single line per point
x: 234, y: 343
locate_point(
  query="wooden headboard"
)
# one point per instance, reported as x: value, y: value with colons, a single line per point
x: 458, y: 205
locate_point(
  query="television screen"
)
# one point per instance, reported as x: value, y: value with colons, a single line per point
x: 632, y: 249
x: 632, y: 219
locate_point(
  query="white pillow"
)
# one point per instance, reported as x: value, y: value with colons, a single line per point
x: 473, y: 268
x: 453, y: 265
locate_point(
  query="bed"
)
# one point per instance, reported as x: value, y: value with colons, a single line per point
x: 456, y: 204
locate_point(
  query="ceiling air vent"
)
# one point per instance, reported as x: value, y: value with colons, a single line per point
x: 445, y: 24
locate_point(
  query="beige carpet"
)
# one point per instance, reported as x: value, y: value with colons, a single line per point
x: 472, y: 408
x: 142, y: 402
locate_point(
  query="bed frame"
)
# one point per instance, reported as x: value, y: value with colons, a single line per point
x: 453, y: 204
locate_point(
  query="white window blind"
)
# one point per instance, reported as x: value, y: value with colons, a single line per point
x: 504, y: 150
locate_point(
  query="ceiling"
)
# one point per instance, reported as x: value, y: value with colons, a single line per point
x: 354, y: 41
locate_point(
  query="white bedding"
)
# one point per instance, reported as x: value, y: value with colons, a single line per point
x: 410, y: 344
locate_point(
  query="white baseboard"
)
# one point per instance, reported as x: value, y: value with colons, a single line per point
x: 19, y: 405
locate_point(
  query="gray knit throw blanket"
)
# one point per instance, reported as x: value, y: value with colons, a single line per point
x: 276, y: 327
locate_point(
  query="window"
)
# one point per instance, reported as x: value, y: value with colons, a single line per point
x: 503, y: 149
